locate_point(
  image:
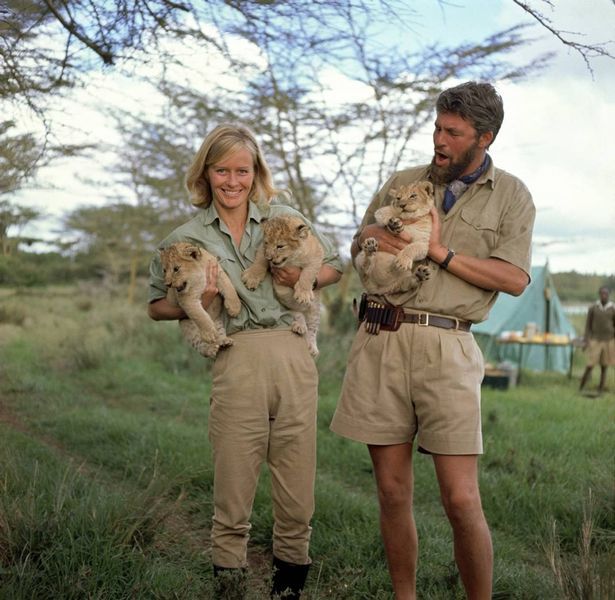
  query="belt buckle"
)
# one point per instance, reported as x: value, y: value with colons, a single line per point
x: 422, y: 323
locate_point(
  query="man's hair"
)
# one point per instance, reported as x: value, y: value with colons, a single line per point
x: 220, y: 143
x: 478, y: 103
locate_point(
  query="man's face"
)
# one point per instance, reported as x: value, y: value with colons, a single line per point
x: 458, y: 149
x: 604, y: 295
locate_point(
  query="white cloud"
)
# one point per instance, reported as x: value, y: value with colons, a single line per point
x: 557, y: 134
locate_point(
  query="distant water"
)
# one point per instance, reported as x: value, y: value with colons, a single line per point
x: 575, y: 309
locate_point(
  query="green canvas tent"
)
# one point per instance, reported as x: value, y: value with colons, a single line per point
x: 538, y: 304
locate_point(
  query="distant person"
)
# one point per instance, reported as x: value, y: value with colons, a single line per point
x: 422, y: 380
x: 264, y: 390
x: 599, y: 339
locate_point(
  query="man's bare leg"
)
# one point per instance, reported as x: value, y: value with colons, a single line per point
x: 394, y: 479
x: 585, y: 378
x: 602, y: 385
x: 458, y: 479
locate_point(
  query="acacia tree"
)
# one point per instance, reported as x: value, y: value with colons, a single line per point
x: 332, y: 155
x: 47, y: 45
x: 15, y: 218
x: 119, y: 238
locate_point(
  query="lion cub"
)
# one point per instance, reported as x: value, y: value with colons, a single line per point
x: 185, y: 275
x: 384, y: 273
x: 288, y: 241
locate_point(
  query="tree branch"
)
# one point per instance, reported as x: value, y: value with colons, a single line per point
x: 70, y: 26
x: 586, y: 51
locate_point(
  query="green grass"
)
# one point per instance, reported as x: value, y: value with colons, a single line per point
x: 106, y: 477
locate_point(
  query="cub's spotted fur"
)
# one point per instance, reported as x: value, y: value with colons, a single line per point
x: 288, y: 241
x: 384, y: 273
x: 185, y: 274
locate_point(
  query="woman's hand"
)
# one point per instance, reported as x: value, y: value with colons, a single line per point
x: 286, y: 276
x: 211, y: 288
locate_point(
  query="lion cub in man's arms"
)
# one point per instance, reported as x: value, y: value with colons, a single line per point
x: 384, y: 273
x: 185, y: 275
x: 288, y: 241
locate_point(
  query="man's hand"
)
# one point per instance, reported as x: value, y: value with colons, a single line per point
x: 437, y: 252
x: 211, y: 289
x: 286, y: 276
x: 387, y: 242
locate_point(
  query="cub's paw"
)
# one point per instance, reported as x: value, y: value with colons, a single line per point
x: 208, y: 350
x: 210, y: 338
x: 395, y: 225
x: 298, y: 327
x: 313, y: 349
x: 303, y: 296
x: 232, y: 306
x: 225, y: 342
x: 370, y: 245
x: 402, y: 263
x: 422, y: 272
x: 250, y: 280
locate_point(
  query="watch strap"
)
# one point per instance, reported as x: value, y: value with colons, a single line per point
x: 449, y: 256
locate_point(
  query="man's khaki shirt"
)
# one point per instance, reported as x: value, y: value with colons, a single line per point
x: 493, y: 218
x: 259, y: 308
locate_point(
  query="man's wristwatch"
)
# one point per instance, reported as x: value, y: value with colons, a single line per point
x: 449, y: 256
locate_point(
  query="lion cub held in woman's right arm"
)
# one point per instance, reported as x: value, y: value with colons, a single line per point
x: 384, y: 273
x: 185, y: 275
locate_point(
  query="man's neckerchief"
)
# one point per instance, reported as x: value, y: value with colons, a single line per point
x: 457, y: 187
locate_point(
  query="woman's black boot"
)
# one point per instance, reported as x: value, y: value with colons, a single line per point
x: 288, y: 579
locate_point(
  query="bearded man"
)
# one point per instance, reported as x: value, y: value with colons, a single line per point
x: 416, y: 375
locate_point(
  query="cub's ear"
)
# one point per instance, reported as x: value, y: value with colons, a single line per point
x: 428, y: 187
x: 191, y: 251
x: 302, y: 231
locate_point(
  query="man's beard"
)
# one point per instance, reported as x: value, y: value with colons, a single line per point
x: 454, y: 170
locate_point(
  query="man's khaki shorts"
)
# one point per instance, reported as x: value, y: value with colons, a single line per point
x: 601, y: 353
x: 421, y: 382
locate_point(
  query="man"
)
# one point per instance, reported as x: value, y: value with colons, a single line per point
x: 599, y: 338
x: 422, y: 380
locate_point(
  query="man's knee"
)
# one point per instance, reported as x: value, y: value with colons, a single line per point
x: 394, y: 495
x: 463, y: 507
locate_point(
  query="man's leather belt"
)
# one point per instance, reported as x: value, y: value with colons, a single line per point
x: 386, y: 317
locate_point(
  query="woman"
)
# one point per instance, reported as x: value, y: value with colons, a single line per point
x: 265, y: 386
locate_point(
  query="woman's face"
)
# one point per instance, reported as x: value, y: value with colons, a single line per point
x: 231, y: 179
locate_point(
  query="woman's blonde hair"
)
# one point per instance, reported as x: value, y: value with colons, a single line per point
x: 219, y: 143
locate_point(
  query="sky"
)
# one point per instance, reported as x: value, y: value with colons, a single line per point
x: 557, y: 134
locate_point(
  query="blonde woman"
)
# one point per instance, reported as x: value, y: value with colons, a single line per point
x: 264, y: 389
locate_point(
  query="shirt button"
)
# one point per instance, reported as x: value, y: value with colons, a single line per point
x: 263, y: 309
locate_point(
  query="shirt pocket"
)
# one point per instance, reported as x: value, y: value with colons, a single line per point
x: 477, y: 232
x: 228, y: 263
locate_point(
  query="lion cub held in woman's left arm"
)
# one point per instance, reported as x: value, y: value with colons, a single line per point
x: 185, y: 274
x: 289, y: 242
x: 384, y: 273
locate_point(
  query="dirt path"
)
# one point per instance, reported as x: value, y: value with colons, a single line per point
x: 176, y: 526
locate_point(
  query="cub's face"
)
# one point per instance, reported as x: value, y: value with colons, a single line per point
x: 415, y: 200
x: 283, y: 236
x: 179, y: 263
